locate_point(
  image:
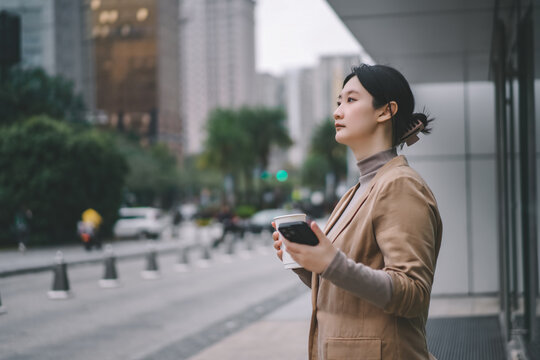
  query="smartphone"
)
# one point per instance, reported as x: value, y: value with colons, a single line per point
x: 298, y: 232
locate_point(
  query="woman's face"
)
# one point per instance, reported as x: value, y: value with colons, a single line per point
x: 355, y: 117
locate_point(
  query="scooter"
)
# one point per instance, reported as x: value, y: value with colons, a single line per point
x: 88, y: 236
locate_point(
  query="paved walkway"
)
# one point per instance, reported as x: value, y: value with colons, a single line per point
x: 283, y: 334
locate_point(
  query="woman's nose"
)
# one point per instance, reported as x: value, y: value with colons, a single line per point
x: 338, y: 114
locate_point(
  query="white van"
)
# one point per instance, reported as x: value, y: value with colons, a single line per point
x: 140, y: 222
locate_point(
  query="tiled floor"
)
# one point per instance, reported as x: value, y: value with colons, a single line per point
x: 456, y: 325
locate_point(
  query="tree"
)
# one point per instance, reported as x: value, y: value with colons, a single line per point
x: 328, y: 153
x: 57, y: 173
x: 195, y: 176
x: 314, y: 170
x: 228, y: 146
x: 239, y: 141
x: 153, y: 174
x: 31, y: 92
x: 265, y: 127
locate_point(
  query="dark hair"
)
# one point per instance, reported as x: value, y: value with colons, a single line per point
x: 386, y: 84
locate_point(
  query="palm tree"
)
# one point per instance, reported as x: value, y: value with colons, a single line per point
x: 239, y: 141
x: 266, y: 127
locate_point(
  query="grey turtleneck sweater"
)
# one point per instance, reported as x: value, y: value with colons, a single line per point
x: 372, y: 285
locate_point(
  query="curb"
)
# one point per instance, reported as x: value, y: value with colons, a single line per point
x: 43, y: 268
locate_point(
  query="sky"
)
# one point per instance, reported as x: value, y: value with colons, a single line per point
x: 294, y: 33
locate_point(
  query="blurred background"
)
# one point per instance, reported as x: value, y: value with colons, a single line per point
x: 195, y: 122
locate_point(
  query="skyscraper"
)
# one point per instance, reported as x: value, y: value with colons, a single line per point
x: 137, y: 69
x: 270, y: 90
x: 329, y: 74
x: 299, y: 104
x: 53, y: 38
x: 217, y: 61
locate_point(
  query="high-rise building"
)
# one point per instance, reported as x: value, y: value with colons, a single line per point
x: 53, y: 38
x: 269, y: 90
x: 217, y: 61
x: 137, y: 70
x: 328, y: 80
x: 310, y: 98
x: 299, y: 105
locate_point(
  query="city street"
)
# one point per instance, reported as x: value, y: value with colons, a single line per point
x: 174, y: 316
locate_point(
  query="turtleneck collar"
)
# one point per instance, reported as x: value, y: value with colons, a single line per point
x: 368, y: 167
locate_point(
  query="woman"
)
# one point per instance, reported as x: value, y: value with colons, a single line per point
x: 372, y: 271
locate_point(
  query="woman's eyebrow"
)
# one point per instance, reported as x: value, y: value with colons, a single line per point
x: 348, y: 92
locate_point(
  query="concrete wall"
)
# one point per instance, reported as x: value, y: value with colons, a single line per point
x: 458, y: 162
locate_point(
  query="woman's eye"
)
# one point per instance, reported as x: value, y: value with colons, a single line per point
x: 338, y: 103
x: 350, y: 99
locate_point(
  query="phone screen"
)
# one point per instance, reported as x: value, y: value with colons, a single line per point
x: 298, y: 232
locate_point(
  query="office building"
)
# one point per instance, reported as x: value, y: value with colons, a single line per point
x: 217, y: 62
x: 136, y: 60
x: 329, y: 74
x: 269, y: 90
x: 53, y: 38
x: 300, y: 116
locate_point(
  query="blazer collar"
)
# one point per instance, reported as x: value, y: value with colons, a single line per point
x: 397, y: 161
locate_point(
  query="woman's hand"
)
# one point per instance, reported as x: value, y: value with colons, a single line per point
x: 312, y: 258
x: 277, y: 242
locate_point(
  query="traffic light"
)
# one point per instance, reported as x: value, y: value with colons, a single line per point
x: 282, y: 175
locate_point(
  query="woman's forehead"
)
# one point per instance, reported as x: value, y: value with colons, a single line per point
x: 352, y: 86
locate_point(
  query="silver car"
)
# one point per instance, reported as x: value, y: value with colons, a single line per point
x: 140, y: 222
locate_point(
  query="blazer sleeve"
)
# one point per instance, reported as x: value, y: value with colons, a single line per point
x: 407, y: 229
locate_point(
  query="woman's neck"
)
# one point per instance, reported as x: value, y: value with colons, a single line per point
x: 363, y: 152
x: 369, y: 166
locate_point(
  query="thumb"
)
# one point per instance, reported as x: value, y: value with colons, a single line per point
x: 317, y: 230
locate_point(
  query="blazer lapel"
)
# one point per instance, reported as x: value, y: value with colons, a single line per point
x: 397, y: 161
x: 340, y: 207
x: 342, y: 224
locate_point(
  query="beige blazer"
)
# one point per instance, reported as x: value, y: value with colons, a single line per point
x: 395, y: 226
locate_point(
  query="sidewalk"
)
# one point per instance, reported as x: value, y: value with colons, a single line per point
x: 283, y: 334
x: 280, y: 335
x: 14, y: 262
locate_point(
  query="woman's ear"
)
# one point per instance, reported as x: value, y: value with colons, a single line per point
x: 387, y: 111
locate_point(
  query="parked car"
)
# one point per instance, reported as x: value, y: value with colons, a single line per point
x: 140, y: 222
x: 262, y: 220
x: 188, y: 211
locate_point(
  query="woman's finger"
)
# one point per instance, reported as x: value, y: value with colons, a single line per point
x: 291, y: 247
x: 275, y: 235
x: 277, y: 245
x: 317, y: 230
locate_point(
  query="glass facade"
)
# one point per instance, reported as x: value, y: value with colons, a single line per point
x: 125, y: 47
x: 514, y: 70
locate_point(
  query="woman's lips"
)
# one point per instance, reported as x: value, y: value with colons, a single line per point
x: 338, y: 126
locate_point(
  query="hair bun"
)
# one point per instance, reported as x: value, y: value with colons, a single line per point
x: 420, y: 116
x: 417, y: 124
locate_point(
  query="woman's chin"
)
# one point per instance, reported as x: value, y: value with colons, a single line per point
x: 340, y: 138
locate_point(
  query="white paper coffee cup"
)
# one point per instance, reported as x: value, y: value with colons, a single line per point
x: 288, y: 261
